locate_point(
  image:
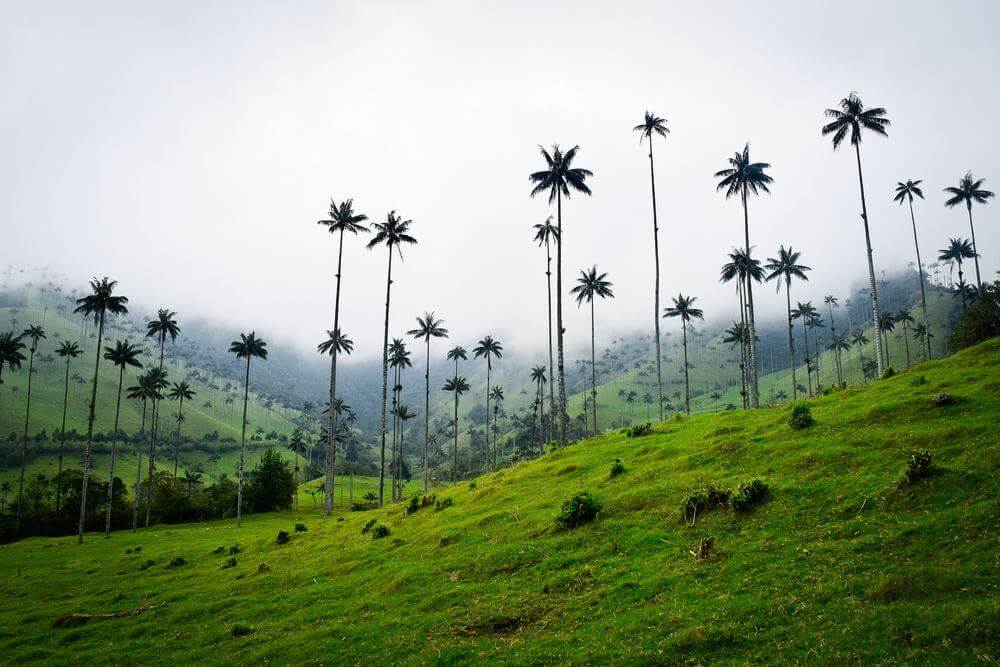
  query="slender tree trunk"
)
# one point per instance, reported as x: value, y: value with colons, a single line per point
x: 563, y: 415
x: 687, y: 393
x: 385, y: 380
x: 552, y: 390
x: 805, y: 338
x: 975, y: 253
x: 879, y: 362
x: 62, y: 439
x: 243, y: 447
x: 744, y: 365
x: 754, y: 382
x: 138, y: 472
x: 90, y: 431
x: 906, y: 344
x: 177, y: 445
x: 153, y: 429
x: 656, y: 289
x: 454, y: 464
x: 923, y: 291
x: 331, y: 440
x: 114, y: 452
x: 593, y: 371
x: 791, y: 343
x: 489, y: 366
x: 961, y: 284
x: 427, y: 408
x: 24, y: 446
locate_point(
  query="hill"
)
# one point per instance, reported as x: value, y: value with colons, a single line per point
x: 840, y: 562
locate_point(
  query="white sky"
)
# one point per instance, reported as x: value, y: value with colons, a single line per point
x: 187, y: 149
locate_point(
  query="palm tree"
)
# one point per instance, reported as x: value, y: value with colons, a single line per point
x: 496, y: 393
x: 860, y: 339
x: 684, y: 308
x: 970, y: 190
x: 5, y: 489
x: 67, y: 350
x: 654, y: 125
x: 404, y: 415
x: 10, y: 352
x: 805, y: 311
x: 100, y: 303
x: 742, y: 178
x: 559, y: 179
x: 157, y: 380
x: 838, y: 344
x: 786, y: 265
x: 123, y: 354
x: 147, y: 388
x: 957, y: 250
x: 545, y: 234
x: 248, y: 347
x: 191, y: 478
x: 459, y: 386
x: 746, y: 269
x: 336, y: 343
x: 180, y: 392
x: 906, y: 192
x: 392, y: 233
x: 163, y: 326
x: 399, y: 359
x: 921, y: 333
x: 905, y: 318
x: 34, y: 333
x: 886, y: 323
x: 853, y: 117
x: 342, y: 219
x: 590, y: 284
x: 538, y: 377
x: 297, y: 446
x: 488, y: 348
x: 427, y: 327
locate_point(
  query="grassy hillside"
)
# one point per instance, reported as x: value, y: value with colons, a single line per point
x: 838, y: 564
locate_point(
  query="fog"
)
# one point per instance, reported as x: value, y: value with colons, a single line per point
x: 188, y: 149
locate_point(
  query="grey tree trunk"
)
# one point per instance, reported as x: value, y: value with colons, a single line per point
x: 454, y: 464
x: 975, y: 253
x: 656, y: 290
x: 754, y: 385
x: 923, y: 291
x: 138, y: 472
x: 243, y: 447
x: 552, y: 389
x: 24, y: 445
x: 879, y: 362
x: 114, y: 452
x: 593, y: 371
x: 177, y: 445
x: 791, y: 343
x: 62, y: 439
x: 427, y: 408
x: 687, y: 392
x: 153, y: 428
x: 330, y: 459
x: 385, y: 380
x: 563, y: 415
x: 90, y: 431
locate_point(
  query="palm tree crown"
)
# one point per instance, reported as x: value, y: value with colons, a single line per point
x: 123, y: 354
x: 560, y: 177
x: 546, y: 232
x: 969, y: 190
x: 488, y: 347
x: 743, y: 175
x: 684, y: 308
x: 101, y: 300
x: 591, y: 284
x: 336, y: 340
x: 428, y: 327
x: 786, y: 265
x: 957, y: 250
x: 344, y: 219
x: 181, y: 390
x: 163, y: 326
x: 905, y: 192
x: 69, y: 350
x: 249, y: 346
x: 651, y: 124
x: 394, y: 232
x: 456, y: 353
x: 853, y: 117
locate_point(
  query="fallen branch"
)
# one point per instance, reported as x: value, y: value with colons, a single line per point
x: 73, y: 620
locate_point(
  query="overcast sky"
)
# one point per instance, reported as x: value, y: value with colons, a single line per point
x: 187, y: 149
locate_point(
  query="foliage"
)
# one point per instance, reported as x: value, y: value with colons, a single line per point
x: 639, y: 430
x: 271, y: 485
x: 380, y: 531
x: 800, y: 417
x: 368, y: 526
x: 177, y: 561
x: 578, y: 509
x: 888, y: 372
x: 943, y: 398
x: 282, y: 538
x: 443, y: 503
x: 300, y: 527
x: 919, y: 466
x: 617, y: 468
x: 748, y: 495
x: 980, y: 321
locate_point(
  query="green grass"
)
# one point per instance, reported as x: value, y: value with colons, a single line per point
x: 838, y: 565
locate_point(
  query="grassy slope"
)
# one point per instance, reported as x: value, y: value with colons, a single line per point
x: 838, y: 565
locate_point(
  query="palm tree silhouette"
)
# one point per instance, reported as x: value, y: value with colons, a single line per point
x: 742, y: 178
x: 838, y: 344
x: 654, y: 125
x: 970, y: 190
x: 886, y: 323
x: 123, y: 354
x: 159, y: 329
x: 100, y: 303
x: 805, y: 311
x: 247, y: 347
x: 684, y: 308
x: 297, y: 446
x: 342, y: 219
x: 404, y: 415
x: 538, y: 377
x: 488, y: 348
x: 146, y: 389
x: 589, y: 285
x: 957, y: 250
x: 68, y: 350
x: 336, y: 343
x: 10, y: 352
x: 559, y: 179
x: 921, y: 333
x: 392, y: 233
x: 34, y: 333
x: 746, y: 269
x: 427, y: 327
x: 180, y: 392
x: 545, y: 234
x: 157, y: 378
x: 904, y: 318
x: 853, y: 117
x: 905, y: 192
x: 399, y: 359
x: 459, y: 386
x: 496, y: 393
x: 860, y: 339
x: 786, y: 266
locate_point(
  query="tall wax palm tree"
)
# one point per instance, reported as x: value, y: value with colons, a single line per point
x: 743, y: 178
x: 590, y: 285
x: 336, y: 343
x: 180, y: 392
x: 852, y: 117
x: 805, y: 311
x: 538, y: 377
x: 831, y: 302
x: 970, y: 190
x: 786, y: 265
x: 163, y: 326
x: 746, y: 269
x: 905, y: 192
x: 839, y: 344
x: 399, y: 359
x: 404, y: 415
x: 68, y: 350
x: 922, y: 334
x: 392, y: 233
x: 958, y: 249
x: 343, y: 218
x: 427, y: 327
x: 10, y: 352
x: 247, y: 347
x: 859, y: 339
x: 654, y: 125
x: 904, y: 318
x: 99, y: 304
x: 683, y: 308
x: 496, y: 393
x: 488, y: 348
x: 545, y: 234
x: 886, y: 323
x: 34, y: 333
x: 145, y: 389
x: 814, y: 321
x: 458, y: 385
x: 456, y: 353
x: 559, y: 179
x: 297, y: 446
x: 157, y: 380
x: 123, y: 354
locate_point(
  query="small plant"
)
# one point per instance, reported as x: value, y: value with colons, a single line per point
x: 703, y: 500
x: 704, y: 550
x: 240, y: 631
x: 229, y: 563
x: 801, y: 417
x: 368, y: 526
x: 639, y: 430
x: 919, y: 466
x: 218, y: 550
x: 617, y: 468
x: 282, y: 537
x: 235, y: 549
x: 136, y: 550
x: 146, y: 564
x: 371, y: 498
x: 472, y: 484
x: 262, y: 568
x: 918, y: 381
x: 443, y: 503
x: 300, y: 528
x: 888, y: 372
x: 748, y: 495
x: 413, y: 505
x: 128, y: 551
x: 942, y: 399
x: 380, y: 531
x: 578, y: 509
x: 176, y: 561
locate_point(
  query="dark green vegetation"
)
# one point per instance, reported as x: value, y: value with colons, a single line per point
x: 837, y: 561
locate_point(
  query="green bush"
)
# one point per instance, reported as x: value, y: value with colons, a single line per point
x: 638, y: 430
x: 617, y: 468
x: 414, y: 504
x: 282, y: 537
x: 176, y: 561
x: 703, y: 500
x: 578, y: 509
x: 235, y: 549
x: 380, y: 531
x: 472, y: 484
x: 942, y: 399
x: 146, y: 564
x: 443, y: 503
x: 240, y: 631
x: 801, y: 417
x: 229, y: 563
x: 300, y: 528
x: 748, y: 495
x: 888, y: 372
x: 368, y: 526
x: 919, y: 466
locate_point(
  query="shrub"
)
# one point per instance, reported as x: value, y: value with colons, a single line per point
x: 942, y: 399
x: 218, y: 550
x: 801, y: 417
x: 146, y: 564
x: 413, y: 505
x: 748, y: 495
x: 578, y: 509
x: 240, y: 631
x: 919, y: 380
x: 472, y: 484
x: 282, y: 537
x: 639, y: 430
x: 300, y: 528
x: 235, y: 549
x: 177, y: 561
x: 380, y: 531
x: 368, y: 526
x: 919, y: 466
x: 444, y: 503
x: 229, y: 563
x: 703, y: 500
x: 888, y: 372
x: 617, y: 468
